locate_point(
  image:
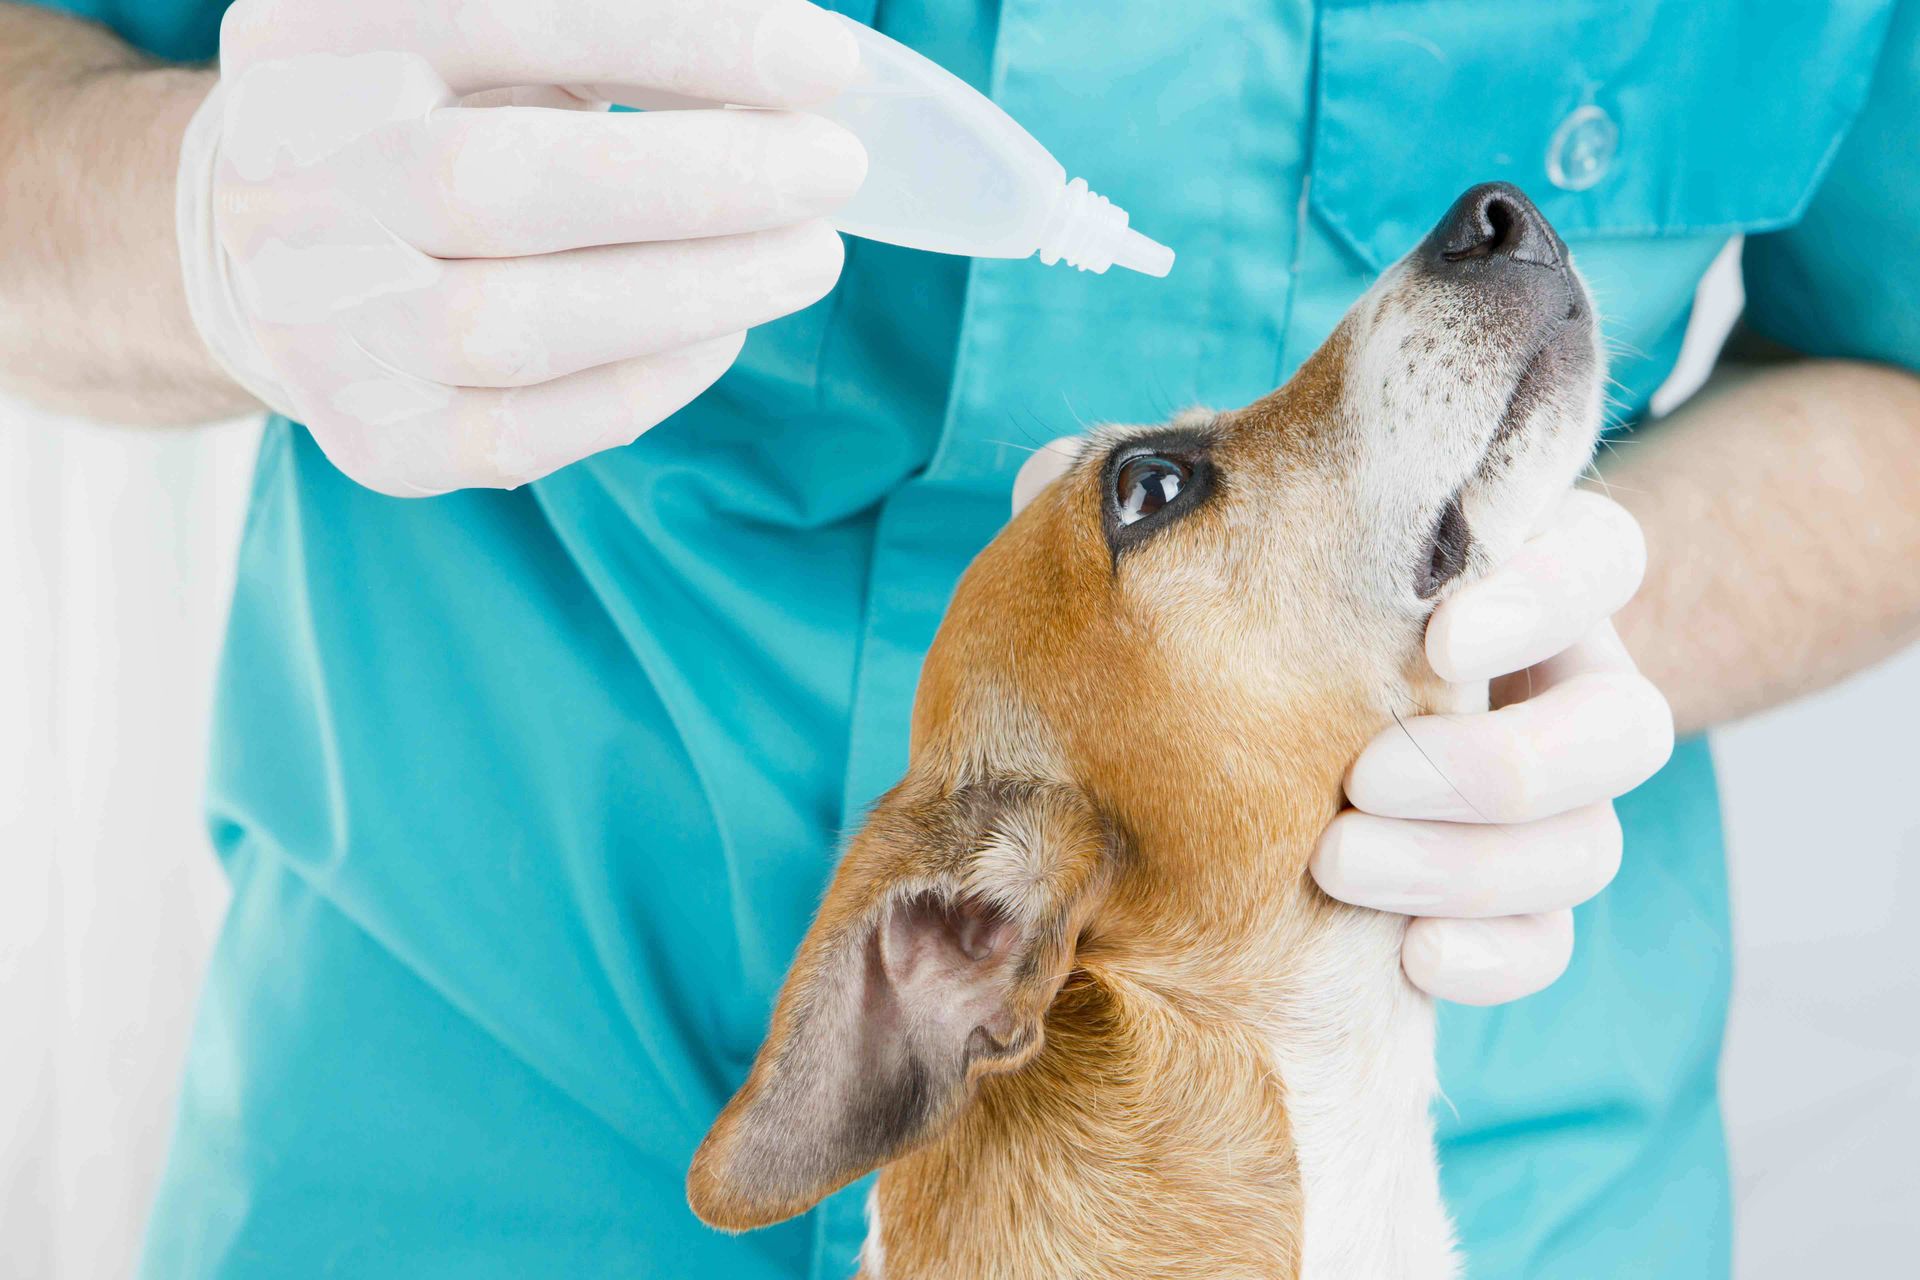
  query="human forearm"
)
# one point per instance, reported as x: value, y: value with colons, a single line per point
x: 93, y: 317
x: 1782, y: 516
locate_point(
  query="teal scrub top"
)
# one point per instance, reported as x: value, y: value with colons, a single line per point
x: 526, y: 796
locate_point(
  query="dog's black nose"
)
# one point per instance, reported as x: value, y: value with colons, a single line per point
x: 1495, y: 221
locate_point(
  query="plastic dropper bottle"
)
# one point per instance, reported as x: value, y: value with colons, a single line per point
x: 949, y: 171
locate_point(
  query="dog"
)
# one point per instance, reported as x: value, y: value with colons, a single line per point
x: 1072, y: 988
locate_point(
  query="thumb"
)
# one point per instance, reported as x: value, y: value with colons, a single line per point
x: 1045, y: 465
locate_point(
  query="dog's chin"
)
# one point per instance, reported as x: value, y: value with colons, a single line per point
x: 1532, y: 462
x: 1559, y: 369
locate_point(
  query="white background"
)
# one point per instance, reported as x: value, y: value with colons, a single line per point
x: 114, y: 572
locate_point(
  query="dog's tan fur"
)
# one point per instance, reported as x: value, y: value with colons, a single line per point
x: 1120, y: 766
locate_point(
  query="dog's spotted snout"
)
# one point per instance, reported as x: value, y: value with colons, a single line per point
x: 1495, y: 224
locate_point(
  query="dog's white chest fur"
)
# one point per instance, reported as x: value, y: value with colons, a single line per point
x: 1353, y: 1043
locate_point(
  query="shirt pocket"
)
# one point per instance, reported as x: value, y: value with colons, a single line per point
x: 1618, y: 117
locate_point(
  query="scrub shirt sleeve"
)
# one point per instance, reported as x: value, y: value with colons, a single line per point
x: 172, y: 30
x: 1845, y: 280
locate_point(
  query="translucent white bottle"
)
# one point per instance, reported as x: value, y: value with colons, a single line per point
x: 949, y: 171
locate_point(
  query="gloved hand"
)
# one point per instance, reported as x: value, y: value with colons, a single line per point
x: 1488, y: 828
x: 410, y: 227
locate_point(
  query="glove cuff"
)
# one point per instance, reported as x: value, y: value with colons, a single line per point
x: 213, y: 296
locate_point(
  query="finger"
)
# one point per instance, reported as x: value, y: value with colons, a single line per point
x: 553, y: 96
x: 1043, y: 466
x: 293, y: 114
x: 414, y: 439
x: 1580, y: 569
x: 769, y: 53
x: 512, y: 322
x: 1468, y: 870
x: 1484, y: 962
x: 1600, y: 651
x: 506, y: 182
x: 1594, y: 729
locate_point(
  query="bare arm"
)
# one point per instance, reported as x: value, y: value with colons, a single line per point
x: 1782, y: 514
x: 93, y: 317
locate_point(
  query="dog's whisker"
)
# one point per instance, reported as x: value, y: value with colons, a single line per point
x: 1593, y: 473
x: 1438, y: 771
x: 1074, y: 413
x: 1038, y: 441
x: 1613, y: 446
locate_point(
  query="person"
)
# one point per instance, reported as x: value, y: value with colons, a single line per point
x: 526, y: 790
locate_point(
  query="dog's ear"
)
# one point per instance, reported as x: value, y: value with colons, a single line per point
x: 947, y: 932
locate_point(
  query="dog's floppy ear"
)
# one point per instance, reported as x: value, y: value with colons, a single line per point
x: 947, y: 932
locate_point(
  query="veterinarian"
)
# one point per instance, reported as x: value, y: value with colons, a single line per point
x: 526, y: 790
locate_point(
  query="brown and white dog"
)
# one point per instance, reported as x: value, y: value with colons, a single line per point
x: 1072, y: 985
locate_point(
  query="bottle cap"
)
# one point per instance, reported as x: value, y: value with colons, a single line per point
x: 1140, y: 253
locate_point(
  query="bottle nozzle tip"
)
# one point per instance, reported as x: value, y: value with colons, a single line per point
x: 1139, y: 253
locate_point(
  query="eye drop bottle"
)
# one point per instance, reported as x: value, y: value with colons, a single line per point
x: 949, y: 171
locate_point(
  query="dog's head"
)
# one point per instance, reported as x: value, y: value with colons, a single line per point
x: 1136, y: 716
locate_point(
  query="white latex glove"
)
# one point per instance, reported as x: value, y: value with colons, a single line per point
x: 1489, y: 828
x: 410, y: 227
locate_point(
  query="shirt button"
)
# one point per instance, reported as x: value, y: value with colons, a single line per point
x: 1582, y: 149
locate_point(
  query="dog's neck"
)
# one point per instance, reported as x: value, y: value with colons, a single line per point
x: 1354, y: 1045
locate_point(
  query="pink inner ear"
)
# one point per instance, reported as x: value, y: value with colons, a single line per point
x: 948, y: 964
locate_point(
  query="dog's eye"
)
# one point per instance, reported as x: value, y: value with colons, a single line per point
x: 1147, y: 483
